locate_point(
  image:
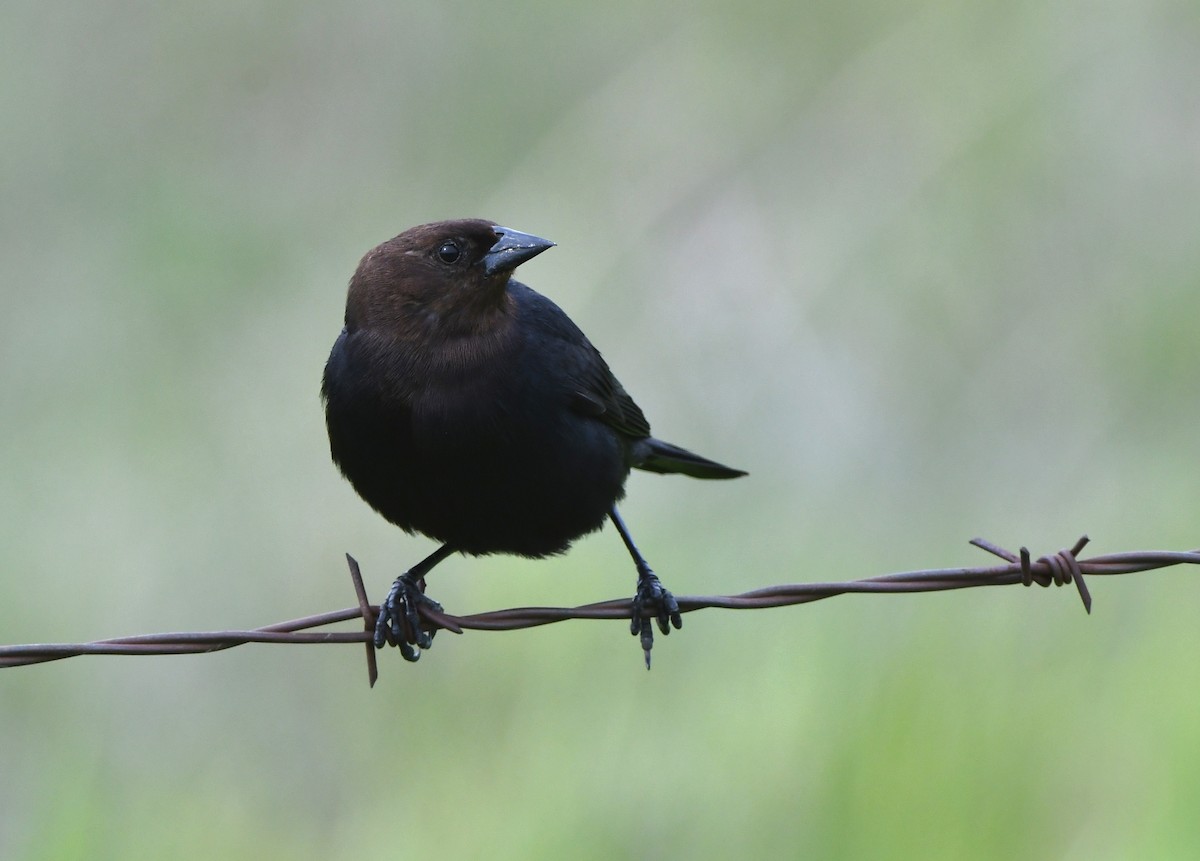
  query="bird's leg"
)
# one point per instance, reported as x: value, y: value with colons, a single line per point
x: 651, y: 595
x: 399, y: 623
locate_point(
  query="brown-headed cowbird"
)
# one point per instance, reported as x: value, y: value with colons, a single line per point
x: 465, y: 406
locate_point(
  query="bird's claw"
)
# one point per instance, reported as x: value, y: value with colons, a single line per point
x: 399, y: 619
x: 653, y: 597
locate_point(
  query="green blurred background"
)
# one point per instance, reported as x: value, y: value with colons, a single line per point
x: 926, y: 270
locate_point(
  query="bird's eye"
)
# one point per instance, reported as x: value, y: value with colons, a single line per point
x: 448, y: 251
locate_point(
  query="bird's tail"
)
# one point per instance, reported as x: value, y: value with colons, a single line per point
x: 654, y: 455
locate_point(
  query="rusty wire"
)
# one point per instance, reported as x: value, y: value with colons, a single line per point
x: 1058, y: 569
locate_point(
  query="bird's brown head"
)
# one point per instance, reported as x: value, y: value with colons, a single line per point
x: 446, y: 279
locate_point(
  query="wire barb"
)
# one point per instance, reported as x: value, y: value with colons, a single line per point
x: 1058, y: 568
x: 368, y: 614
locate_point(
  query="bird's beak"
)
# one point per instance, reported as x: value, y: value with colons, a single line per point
x: 512, y: 249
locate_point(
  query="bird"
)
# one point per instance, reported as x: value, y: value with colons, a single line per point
x: 462, y: 405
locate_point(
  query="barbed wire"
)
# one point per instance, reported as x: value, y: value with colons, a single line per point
x: 1057, y: 569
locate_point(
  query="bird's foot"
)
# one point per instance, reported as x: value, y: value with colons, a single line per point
x: 399, y: 620
x: 652, y: 602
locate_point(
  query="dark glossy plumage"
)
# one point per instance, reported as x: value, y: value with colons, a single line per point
x: 465, y: 406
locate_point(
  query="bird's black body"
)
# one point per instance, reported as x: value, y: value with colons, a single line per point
x: 467, y: 407
x: 494, y: 458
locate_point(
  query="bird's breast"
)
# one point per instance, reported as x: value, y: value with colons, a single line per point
x: 485, y: 451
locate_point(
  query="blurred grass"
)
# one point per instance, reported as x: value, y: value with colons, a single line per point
x: 927, y: 271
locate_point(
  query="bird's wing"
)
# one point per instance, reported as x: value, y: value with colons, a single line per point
x: 601, y: 395
x: 595, y: 391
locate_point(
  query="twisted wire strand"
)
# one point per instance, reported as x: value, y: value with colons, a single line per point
x: 1059, y: 569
